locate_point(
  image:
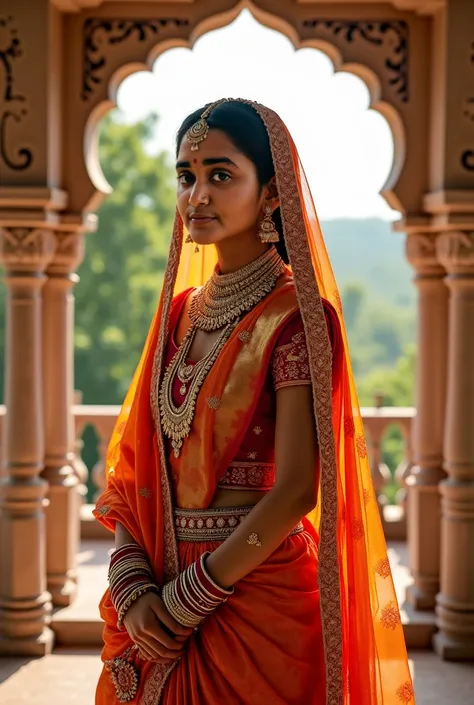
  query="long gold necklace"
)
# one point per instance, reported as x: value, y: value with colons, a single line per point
x: 225, y: 297
x: 218, y: 305
x: 176, y: 421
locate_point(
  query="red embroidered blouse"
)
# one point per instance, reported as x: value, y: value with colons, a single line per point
x: 253, y: 468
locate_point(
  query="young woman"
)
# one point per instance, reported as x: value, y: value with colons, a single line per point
x: 250, y: 563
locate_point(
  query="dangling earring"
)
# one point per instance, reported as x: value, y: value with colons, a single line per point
x: 268, y: 233
x: 190, y: 239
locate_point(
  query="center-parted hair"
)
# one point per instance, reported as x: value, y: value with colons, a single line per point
x: 244, y: 127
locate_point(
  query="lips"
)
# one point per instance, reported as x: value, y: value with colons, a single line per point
x: 201, y: 219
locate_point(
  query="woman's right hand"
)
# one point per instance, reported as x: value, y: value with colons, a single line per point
x: 144, y: 622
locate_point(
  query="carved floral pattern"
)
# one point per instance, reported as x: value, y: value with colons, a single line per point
x: 26, y: 248
x: 391, y: 36
x: 100, y: 32
x: 456, y: 250
x: 14, y: 109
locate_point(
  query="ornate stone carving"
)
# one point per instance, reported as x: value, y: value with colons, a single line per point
x: 69, y: 253
x: 456, y: 251
x: 392, y: 36
x: 27, y: 249
x: 13, y: 103
x: 100, y: 32
x: 420, y: 251
x: 467, y: 156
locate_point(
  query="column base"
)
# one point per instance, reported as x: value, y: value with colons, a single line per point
x: 64, y: 593
x: 40, y: 646
x: 452, y: 649
x: 421, y: 600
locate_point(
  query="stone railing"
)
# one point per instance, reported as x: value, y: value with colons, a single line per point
x: 377, y: 420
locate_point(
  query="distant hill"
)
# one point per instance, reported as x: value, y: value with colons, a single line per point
x: 368, y: 251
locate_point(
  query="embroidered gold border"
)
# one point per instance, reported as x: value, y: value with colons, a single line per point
x: 320, y: 359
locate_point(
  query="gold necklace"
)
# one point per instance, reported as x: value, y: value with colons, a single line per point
x: 176, y: 421
x: 225, y: 297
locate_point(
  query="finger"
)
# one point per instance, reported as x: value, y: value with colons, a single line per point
x: 145, y: 653
x: 157, y: 649
x: 161, y: 636
x: 164, y: 616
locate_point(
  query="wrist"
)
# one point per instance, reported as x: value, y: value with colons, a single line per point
x: 193, y: 595
x: 130, y: 577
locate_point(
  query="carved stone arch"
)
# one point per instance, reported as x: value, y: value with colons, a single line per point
x: 108, y: 43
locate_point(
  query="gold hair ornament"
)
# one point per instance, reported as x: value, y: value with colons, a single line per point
x: 198, y: 132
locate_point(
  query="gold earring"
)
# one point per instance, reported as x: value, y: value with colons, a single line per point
x: 190, y: 239
x: 268, y: 233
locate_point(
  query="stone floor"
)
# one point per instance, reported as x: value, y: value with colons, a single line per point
x: 70, y: 677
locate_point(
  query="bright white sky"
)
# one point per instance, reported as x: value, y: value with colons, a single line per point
x: 346, y: 149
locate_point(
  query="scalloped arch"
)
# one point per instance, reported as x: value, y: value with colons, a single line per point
x: 279, y: 24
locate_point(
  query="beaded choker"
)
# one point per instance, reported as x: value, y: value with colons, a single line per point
x: 225, y: 297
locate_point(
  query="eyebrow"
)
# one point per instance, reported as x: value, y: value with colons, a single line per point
x: 207, y: 162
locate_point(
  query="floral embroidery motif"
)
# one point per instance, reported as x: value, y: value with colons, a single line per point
x: 405, y: 693
x: 362, y: 451
x: 103, y: 510
x: 244, y: 336
x: 390, y: 618
x: 290, y: 363
x: 349, y: 427
x: 382, y: 568
x: 366, y: 495
x: 252, y: 456
x: 145, y: 492
x: 357, y: 529
x: 257, y: 430
x: 249, y: 476
x: 124, y: 675
x: 214, y: 403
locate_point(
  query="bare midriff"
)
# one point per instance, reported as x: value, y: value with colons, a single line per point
x: 237, y: 498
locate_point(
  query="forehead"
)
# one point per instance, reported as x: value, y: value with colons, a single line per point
x: 216, y: 144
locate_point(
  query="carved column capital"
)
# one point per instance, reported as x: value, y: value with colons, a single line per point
x: 25, y: 249
x: 421, y: 253
x: 455, y: 250
x: 68, y: 254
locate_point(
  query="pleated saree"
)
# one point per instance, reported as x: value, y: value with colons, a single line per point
x: 318, y: 622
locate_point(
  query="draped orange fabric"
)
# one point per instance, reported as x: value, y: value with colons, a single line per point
x: 364, y: 659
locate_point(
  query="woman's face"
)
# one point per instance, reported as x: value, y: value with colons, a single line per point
x: 218, y: 192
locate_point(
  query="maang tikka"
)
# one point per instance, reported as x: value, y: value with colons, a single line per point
x: 268, y: 232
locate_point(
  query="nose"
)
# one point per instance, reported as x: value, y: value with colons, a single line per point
x: 199, y: 195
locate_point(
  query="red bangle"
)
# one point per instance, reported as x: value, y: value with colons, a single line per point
x: 193, y: 594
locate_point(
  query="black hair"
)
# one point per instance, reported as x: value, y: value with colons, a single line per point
x: 245, y: 128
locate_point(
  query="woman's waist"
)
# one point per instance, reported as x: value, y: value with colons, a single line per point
x: 213, y: 524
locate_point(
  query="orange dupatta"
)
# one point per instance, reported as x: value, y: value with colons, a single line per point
x: 365, y: 655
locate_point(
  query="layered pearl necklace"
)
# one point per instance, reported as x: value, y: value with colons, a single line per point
x: 218, y: 305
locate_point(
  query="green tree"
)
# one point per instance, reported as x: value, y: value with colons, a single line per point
x: 122, y: 273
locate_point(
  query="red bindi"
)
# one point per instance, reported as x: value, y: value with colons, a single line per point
x: 195, y: 161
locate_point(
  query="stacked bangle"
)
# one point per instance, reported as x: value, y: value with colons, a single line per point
x: 129, y: 577
x: 193, y: 595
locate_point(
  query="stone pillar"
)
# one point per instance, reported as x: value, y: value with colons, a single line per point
x: 58, y: 384
x: 24, y: 603
x: 423, y: 506
x: 455, y: 602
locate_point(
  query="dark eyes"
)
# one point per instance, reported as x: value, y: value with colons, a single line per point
x: 219, y: 177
